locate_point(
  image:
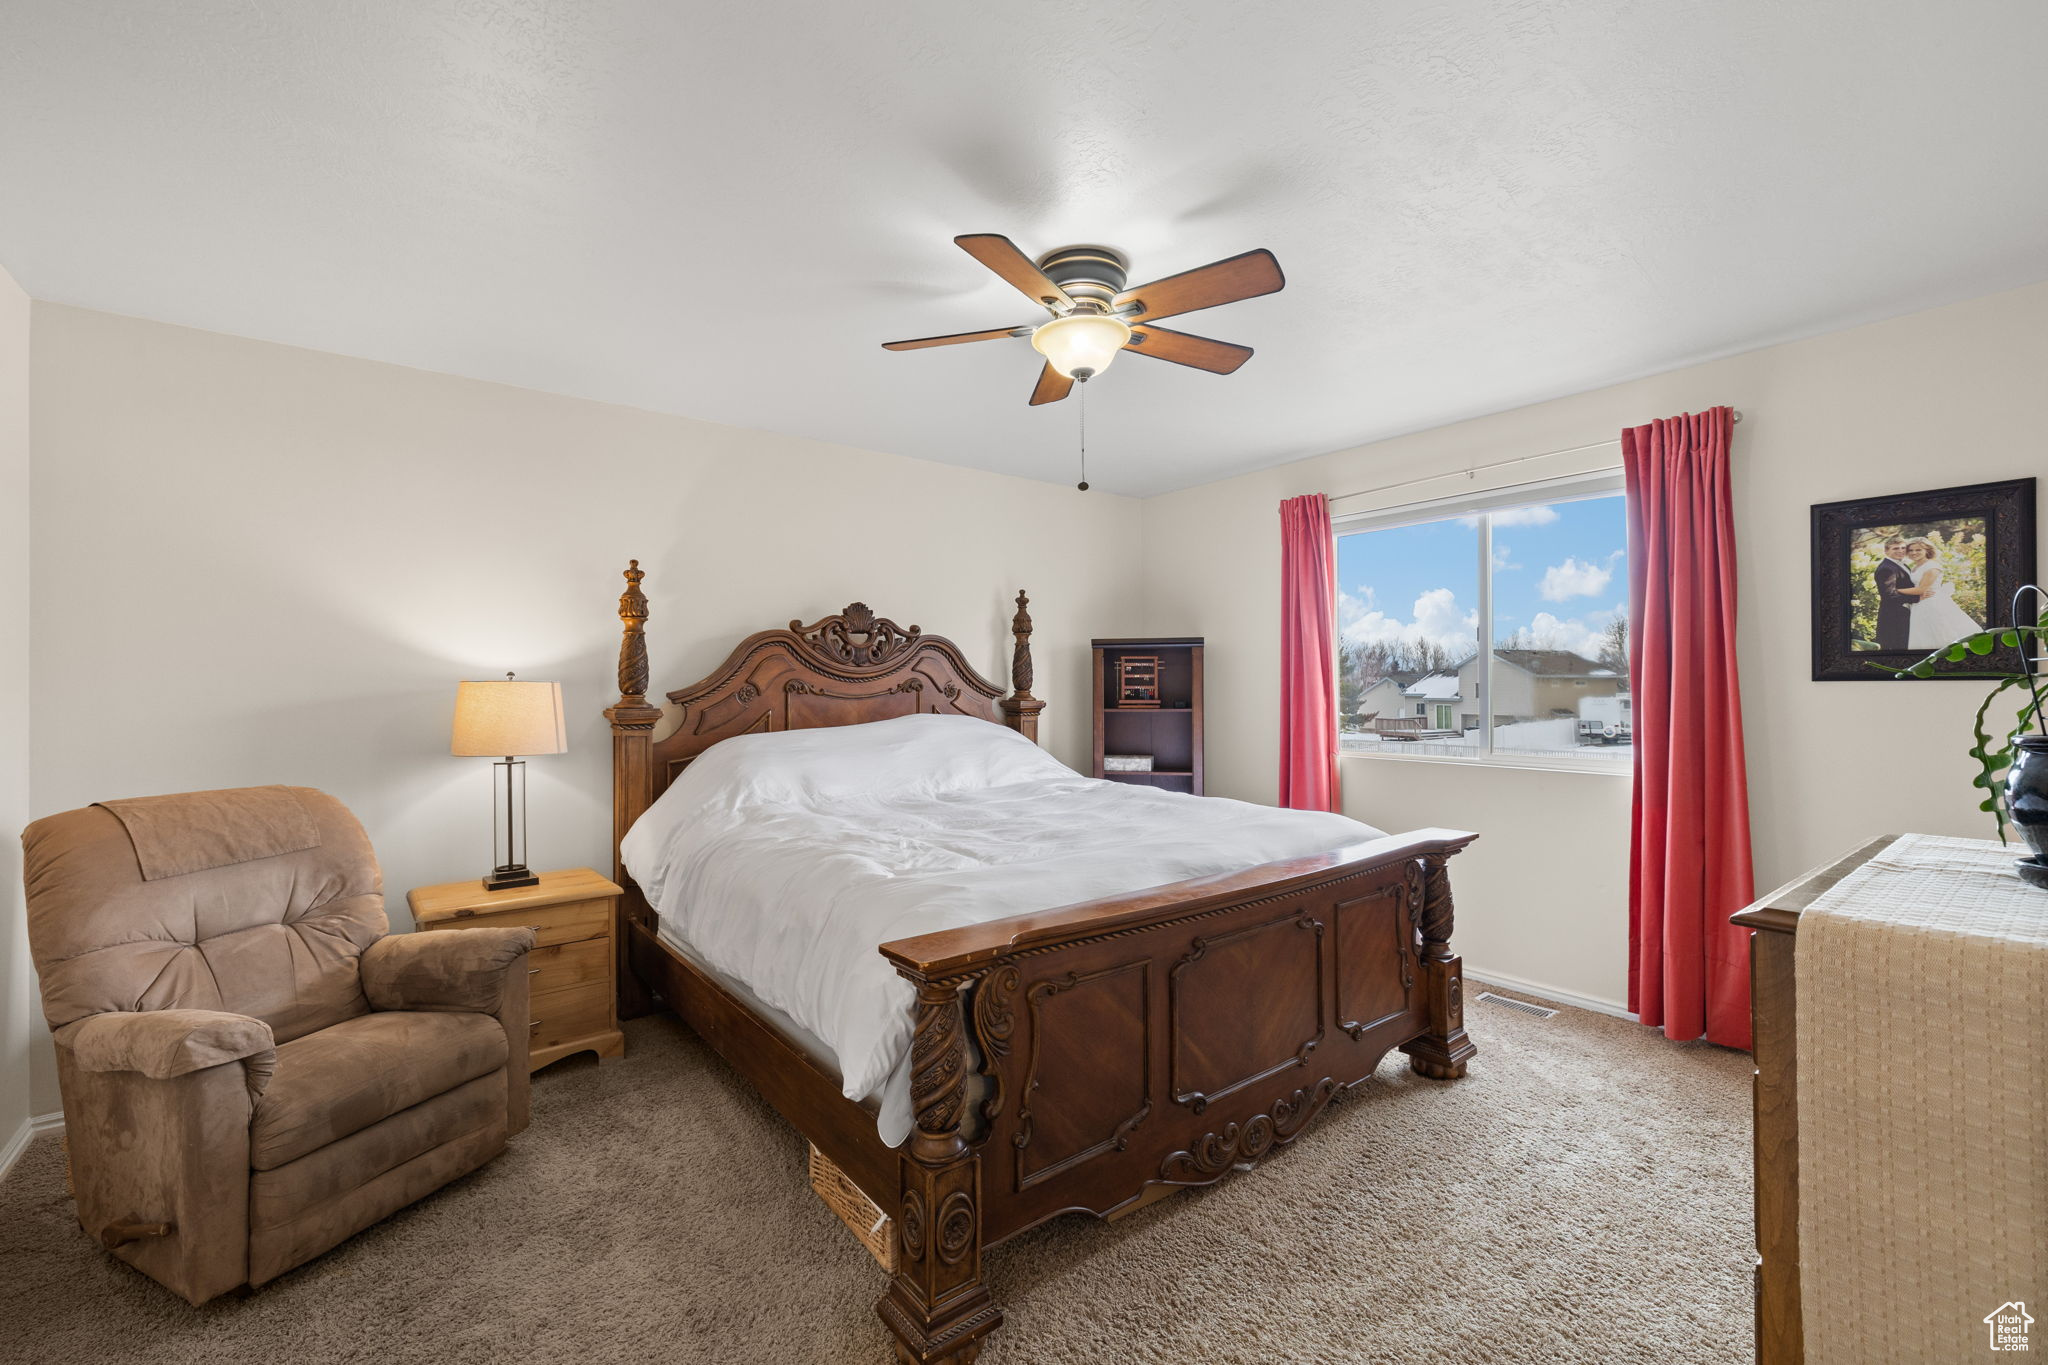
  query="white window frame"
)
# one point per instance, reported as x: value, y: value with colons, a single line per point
x: 1599, y: 483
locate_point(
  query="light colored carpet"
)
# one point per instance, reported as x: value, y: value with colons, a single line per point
x: 1583, y: 1196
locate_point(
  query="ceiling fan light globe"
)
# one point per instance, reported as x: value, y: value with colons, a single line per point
x: 1081, y: 345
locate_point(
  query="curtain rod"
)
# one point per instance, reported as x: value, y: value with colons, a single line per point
x: 1480, y: 468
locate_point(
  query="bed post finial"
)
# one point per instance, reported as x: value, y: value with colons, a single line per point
x: 633, y: 713
x: 633, y: 648
x: 632, y: 721
x: 1020, y: 709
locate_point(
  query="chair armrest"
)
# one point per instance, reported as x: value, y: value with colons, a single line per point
x: 163, y: 1044
x: 156, y: 1121
x: 456, y: 970
x: 473, y: 971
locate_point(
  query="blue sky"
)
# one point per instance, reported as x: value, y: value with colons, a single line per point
x: 1560, y: 571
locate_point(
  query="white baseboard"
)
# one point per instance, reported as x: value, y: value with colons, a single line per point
x: 1552, y: 993
x: 12, y: 1149
x: 31, y: 1128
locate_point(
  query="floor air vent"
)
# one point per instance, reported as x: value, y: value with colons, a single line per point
x: 1524, y: 1006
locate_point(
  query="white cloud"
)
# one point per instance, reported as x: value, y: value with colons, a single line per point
x: 1575, y: 578
x: 1437, y: 618
x: 1500, y: 558
x: 1582, y: 635
x: 1574, y: 635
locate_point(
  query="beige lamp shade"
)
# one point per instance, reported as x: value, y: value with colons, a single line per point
x: 508, y: 717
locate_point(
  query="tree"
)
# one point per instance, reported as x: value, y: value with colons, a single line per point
x: 1614, y: 648
x: 1431, y: 657
x: 1351, y: 682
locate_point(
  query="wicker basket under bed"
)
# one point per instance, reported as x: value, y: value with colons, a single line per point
x: 874, y: 1229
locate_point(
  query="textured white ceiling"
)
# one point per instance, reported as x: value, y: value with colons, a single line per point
x: 721, y: 210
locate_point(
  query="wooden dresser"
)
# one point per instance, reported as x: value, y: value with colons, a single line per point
x: 1780, y: 1335
x: 574, y: 914
x: 1901, y: 1146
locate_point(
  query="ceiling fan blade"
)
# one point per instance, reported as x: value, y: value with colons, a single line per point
x: 1001, y: 255
x: 1052, y: 387
x: 1218, y: 357
x: 1240, y: 277
x: 955, y: 339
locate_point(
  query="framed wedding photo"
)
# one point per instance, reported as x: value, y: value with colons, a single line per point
x: 1896, y: 578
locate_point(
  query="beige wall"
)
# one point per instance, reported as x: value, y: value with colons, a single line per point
x: 15, y: 983
x: 1937, y: 398
x: 263, y: 564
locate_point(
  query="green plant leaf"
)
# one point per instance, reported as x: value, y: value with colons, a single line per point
x: 1991, y: 763
x: 1982, y: 643
x: 1913, y: 672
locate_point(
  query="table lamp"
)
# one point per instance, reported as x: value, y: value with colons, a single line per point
x: 504, y: 720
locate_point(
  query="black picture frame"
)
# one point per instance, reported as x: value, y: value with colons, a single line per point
x: 2007, y: 510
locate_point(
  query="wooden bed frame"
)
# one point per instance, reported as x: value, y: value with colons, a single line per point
x: 1125, y: 1047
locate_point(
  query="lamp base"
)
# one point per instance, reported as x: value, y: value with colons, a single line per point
x: 505, y: 878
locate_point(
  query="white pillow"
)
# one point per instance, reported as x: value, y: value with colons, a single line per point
x: 910, y: 755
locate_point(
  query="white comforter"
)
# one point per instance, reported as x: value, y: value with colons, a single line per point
x: 783, y: 860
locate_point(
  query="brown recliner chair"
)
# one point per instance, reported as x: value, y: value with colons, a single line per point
x: 252, y: 1069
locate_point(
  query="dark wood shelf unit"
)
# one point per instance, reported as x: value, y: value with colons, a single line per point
x: 1171, y: 732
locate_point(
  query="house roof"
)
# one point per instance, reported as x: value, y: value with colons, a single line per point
x: 1435, y: 687
x: 1401, y: 677
x: 1554, y: 663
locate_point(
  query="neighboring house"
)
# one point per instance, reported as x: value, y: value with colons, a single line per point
x: 1435, y: 698
x: 1528, y: 684
x: 1536, y: 684
x: 1384, y: 697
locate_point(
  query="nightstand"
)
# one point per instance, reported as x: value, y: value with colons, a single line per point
x: 574, y: 914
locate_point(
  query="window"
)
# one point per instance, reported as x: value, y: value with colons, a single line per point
x: 1488, y: 627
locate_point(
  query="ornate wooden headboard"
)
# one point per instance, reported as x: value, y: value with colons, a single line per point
x: 842, y: 670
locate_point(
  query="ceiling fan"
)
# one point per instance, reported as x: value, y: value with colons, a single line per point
x: 1094, y: 316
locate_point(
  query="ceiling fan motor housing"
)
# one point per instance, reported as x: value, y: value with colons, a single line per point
x: 1089, y: 274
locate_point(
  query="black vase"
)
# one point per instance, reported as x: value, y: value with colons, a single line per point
x: 2026, y: 802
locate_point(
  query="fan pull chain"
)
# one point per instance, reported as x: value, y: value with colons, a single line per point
x: 1083, y: 485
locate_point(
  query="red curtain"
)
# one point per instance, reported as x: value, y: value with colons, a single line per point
x: 1689, y: 865
x: 1308, y: 655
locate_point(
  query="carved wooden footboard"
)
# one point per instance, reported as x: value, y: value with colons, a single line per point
x: 1142, y: 1044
